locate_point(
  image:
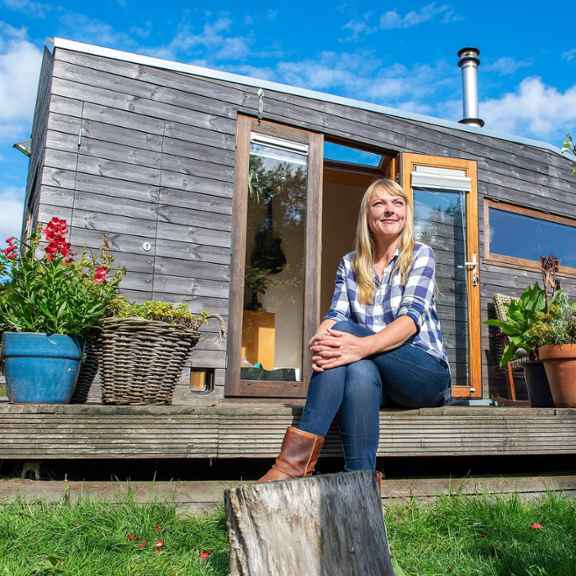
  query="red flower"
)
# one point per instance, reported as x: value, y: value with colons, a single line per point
x: 131, y: 537
x: 10, y: 252
x: 157, y: 528
x: 55, y: 228
x: 204, y: 554
x: 100, y: 274
x: 142, y: 545
x: 159, y: 545
x: 536, y: 526
x: 57, y: 245
x: 11, y: 240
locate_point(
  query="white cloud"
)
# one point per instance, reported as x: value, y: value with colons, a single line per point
x: 569, y: 55
x: 20, y: 64
x: 30, y: 8
x: 361, y: 75
x: 212, y: 43
x: 434, y: 11
x: 392, y: 19
x: 11, y: 206
x: 534, y: 109
x: 358, y: 27
x: 86, y: 29
x: 506, y: 65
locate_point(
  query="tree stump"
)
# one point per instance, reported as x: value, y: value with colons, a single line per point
x: 329, y: 525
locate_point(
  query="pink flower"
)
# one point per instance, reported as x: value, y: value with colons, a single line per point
x: 100, y: 274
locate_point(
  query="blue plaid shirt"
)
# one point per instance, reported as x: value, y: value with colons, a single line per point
x: 392, y: 300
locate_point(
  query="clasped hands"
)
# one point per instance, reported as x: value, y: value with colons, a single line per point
x: 332, y: 348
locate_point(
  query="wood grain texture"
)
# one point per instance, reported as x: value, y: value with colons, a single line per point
x: 313, y: 526
x: 202, y: 427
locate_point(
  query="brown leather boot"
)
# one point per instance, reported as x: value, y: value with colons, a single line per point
x: 298, y: 456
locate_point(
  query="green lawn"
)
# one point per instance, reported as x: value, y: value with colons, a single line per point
x: 464, y: 537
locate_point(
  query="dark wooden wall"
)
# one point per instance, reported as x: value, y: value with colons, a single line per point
x: 147, y: 156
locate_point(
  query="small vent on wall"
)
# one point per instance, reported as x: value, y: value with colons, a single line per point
x: 201, y: 380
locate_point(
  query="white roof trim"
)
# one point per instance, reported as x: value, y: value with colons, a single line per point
x: 287, y: 89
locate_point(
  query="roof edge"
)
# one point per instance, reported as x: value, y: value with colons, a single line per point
x: 288, y: 89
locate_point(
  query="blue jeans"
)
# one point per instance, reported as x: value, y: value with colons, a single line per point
x: 406, y: 376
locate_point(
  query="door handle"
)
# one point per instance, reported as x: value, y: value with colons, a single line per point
x: 472, y: 265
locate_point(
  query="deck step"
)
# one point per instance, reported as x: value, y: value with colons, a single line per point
x: 200, y: 496
x: 224, y: 430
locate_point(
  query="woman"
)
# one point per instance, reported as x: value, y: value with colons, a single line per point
x: 380, y: 343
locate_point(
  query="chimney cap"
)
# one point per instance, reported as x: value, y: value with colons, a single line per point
x: 468, y: 54
x: 469, y: 49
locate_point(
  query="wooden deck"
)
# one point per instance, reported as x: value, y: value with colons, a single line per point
x: 227, y: 429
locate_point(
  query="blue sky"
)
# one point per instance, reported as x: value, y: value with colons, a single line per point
x: 401, y: 54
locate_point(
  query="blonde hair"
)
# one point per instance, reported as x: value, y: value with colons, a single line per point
x: 363, y: 261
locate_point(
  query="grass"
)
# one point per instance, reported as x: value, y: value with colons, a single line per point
x: 485, y: 537
x: 463, y: 537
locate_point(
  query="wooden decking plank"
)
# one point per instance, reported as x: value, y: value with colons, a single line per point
x: 229, y: 429
x: 211, y: 492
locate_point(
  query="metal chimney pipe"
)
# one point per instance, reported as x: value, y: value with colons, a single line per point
x: 468, y: 62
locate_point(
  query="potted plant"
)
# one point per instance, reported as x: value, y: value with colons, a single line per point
x: 48, y: 303
x: 554, y: 332
x: 521, y: 314
x: 145, y: 347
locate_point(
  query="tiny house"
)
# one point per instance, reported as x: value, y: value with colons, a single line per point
x: 238, y: 196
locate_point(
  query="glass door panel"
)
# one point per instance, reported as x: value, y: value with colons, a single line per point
x: 275, y: 264
x: 275, y: 283
x: 440, y: 222
x: 446, y: 218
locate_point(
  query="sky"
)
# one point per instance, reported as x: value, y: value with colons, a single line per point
x: 400, y: 54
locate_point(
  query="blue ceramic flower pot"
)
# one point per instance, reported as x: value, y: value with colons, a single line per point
x: 40, y: 368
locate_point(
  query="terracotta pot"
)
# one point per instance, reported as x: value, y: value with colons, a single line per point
x: 560, y: 364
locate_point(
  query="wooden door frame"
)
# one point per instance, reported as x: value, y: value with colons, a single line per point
x: 234, y: 385
x: 408, y: 163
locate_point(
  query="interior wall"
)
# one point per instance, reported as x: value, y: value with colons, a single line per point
x: 342, y: 194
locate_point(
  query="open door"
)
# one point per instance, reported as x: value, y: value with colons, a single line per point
x: 444, y: 194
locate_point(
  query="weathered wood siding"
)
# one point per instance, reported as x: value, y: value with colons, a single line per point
x: 147, y: 156
x: 38, y: 138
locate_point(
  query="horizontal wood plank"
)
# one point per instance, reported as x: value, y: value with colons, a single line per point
x: 226, y: 429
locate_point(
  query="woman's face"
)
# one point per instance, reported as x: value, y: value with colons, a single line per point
x: 386, y: 215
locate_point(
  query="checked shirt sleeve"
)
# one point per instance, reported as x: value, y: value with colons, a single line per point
x: 340, y: 306
x: 419, y: 290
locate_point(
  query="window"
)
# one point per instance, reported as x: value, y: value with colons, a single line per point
x: 520, y: 236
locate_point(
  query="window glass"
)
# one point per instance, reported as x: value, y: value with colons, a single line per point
x: 522, y: 236
x: 341, y: 153
x: 273, y: 319
x: 440, y: 222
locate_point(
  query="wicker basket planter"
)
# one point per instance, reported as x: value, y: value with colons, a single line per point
x: 142, y: 360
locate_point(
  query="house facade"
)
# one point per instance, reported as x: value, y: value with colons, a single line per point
x: 238, y: 196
